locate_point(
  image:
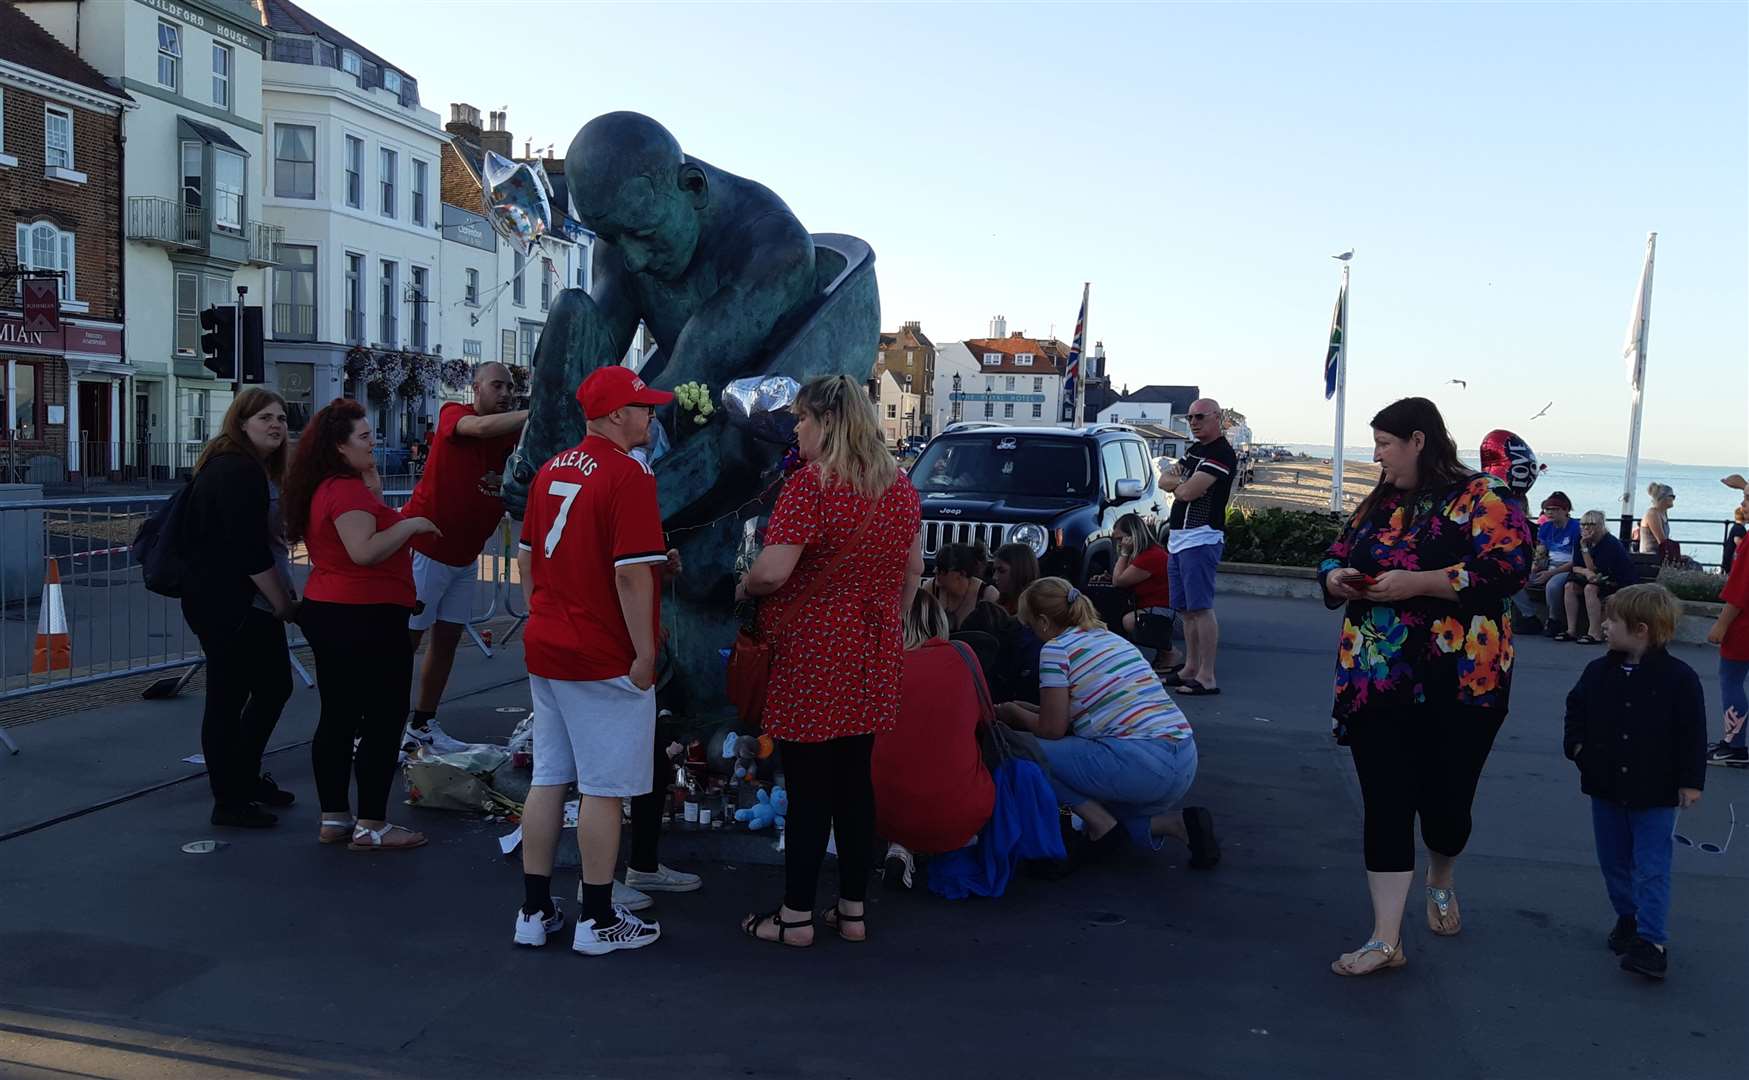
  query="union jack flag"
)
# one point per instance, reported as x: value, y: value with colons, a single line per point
x: 1072, y: 370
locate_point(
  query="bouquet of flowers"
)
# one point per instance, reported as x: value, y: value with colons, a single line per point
x: 695, y: 398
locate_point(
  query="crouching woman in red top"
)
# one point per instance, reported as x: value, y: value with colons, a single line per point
x: 932, y: 791
x: 356, y: 604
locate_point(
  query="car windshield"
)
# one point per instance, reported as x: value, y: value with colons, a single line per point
x: 999, y: 464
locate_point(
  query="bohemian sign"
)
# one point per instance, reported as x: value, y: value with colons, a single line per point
x: 42, y: 305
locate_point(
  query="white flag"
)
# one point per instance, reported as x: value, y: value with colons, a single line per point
x: 1639, y: 326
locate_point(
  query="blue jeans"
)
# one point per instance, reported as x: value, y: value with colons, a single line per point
x: 1134, y: 779
x: 1732, y: 674
x: 1633, y: 849
x: 1551, y: 594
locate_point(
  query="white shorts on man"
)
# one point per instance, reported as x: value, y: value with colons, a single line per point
x: 599, y: 735
x: 446, y: 591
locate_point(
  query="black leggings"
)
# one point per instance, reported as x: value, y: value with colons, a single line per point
x: 647, y: 814
x: 831, y: 790
x: 1422, y: 760
x: 364, y: 670
x: 248, y: 679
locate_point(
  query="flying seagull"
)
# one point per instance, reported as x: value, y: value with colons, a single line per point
x: 1460, y: 382
x: 1545, y: 411
x: 1345, y: 256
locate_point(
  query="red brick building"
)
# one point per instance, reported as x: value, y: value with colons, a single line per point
x: 60, y: 218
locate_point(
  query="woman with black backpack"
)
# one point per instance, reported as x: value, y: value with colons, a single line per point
x: 237, y: 601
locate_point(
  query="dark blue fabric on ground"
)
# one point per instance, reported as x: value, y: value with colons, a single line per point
x: 1022, y: 826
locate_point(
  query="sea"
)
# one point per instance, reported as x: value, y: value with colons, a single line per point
x: 1593, y: 482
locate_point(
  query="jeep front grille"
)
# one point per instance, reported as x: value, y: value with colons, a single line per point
x: 937, y: 534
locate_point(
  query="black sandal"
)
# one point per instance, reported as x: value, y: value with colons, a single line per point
x: 832, y: 917
x: 1586, y: 639
x: 1563, y: 636
x: 751, y: 924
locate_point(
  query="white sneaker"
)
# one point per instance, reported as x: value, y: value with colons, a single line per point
x: 665, y: 879
x: 532, y: 930
x: 624, y: 896
x: 433, y: 738
x: 630, y: 932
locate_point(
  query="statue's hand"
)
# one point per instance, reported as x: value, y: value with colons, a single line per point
x: 518, y: 475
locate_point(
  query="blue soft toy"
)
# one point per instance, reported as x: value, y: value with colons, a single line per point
x: 769, y: 809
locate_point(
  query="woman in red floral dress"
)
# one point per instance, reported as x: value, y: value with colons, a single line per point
x: 836, y: 664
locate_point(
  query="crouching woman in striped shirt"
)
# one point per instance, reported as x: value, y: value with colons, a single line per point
x: 1120, y: 750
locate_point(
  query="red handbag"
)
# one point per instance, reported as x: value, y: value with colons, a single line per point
x: 749, y: 671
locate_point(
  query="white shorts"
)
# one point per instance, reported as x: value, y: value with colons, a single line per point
x: 602, y: 735
x: 447, y: 592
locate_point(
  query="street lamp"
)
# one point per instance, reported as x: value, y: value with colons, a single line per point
x: 956, y: 399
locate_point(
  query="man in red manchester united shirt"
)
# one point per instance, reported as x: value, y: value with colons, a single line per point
x: 592, y: 547
x: 459, y: 492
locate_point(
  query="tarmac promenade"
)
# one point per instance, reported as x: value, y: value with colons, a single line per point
x: 121, y: 956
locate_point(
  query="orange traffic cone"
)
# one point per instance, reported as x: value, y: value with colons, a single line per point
x: 54, y: 647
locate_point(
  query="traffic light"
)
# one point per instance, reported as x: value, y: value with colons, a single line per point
x: 254, y: 350
x: 218, y: 341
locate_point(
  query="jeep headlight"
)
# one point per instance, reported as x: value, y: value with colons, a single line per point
x: 1033, y: 536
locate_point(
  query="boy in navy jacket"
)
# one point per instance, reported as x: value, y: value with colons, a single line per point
x: 1636, y: 727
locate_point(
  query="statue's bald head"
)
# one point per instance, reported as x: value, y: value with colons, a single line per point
x: 613, y: 151
x: 630, y: 183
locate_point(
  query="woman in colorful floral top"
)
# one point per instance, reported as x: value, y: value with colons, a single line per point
x: 1426, y: 567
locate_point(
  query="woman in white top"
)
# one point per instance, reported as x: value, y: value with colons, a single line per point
x: 1119, y: 748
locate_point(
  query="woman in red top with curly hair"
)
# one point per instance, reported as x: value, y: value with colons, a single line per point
x: 836, y: 667
x: 355, y: 610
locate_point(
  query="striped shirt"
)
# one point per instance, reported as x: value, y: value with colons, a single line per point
x: 1113, y: 693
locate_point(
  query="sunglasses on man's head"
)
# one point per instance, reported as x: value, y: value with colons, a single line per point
x: 1708, y: 848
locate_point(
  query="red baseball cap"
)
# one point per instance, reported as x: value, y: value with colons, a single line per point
x: 615, y: 387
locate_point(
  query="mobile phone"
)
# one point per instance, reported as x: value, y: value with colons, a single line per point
x: 1367, y: 581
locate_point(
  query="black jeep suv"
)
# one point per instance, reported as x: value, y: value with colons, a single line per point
x: 1057, y: 490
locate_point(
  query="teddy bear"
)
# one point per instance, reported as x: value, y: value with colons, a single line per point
x: 746, y: 752
x: 769, y: 809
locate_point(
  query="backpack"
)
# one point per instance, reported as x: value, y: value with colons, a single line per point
x: 157, y: 547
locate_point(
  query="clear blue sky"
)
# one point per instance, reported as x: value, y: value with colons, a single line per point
x: 1495, y: 166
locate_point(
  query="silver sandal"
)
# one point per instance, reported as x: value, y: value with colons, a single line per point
x: 1394, y: 958
x: 371, y: 840
x: 1444, y: 902
x: 336, y: 821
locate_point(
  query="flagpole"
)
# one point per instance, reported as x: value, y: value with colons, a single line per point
x: 1639, y: 336
x: 1336, y: 489
x: 1081, y: 362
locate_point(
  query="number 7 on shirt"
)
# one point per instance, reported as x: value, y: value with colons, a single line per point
x: 568, y: 493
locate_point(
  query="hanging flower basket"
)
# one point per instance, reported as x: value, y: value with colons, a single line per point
x: 518, y: 379
x: 418, y: 374
x: 378, y: 371
x: 455, y: 373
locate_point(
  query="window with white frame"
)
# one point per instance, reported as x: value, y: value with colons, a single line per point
x: 471, y: 350
x: 419, y: 274
x: 387, y: 163
x: 351, y: 63
x: 355, y: 172
x: 169, y: 55
x: 392, y: 81
x: 530, y: 335
x: 227, y: 189
x: 1008, y: 382
x: 471, y: 287
x: 222, y: 67
x: 507, y: 346
x: 989, y: 383
x: 187, y: 314
x: 57, y: 137
x: 294, y: 161
x: 3, y: 125
x: 354, y: 299
x: 989, y: 410
x: 518, y: 295
x: 1038, y: 410
x: 546, y: 284
x: 43, y: 246
x: 390, y: 303
x: 892, y: 412
x: 1038, y: 384
x: 992, y: 359
x: 418, y: 193
x: 1008, y: 412
x: 193, y: 189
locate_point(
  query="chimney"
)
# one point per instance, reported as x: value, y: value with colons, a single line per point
x: 999, y: 326
x: 496, y: 137
x: 1099, y: 359
x: 464, y: 121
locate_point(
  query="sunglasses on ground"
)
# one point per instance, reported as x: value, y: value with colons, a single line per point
x: 1710, y: 849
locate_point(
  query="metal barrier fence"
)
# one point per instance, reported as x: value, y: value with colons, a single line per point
x: 75, y: 552
x: 87, y: 464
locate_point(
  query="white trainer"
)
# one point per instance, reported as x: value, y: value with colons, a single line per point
x: 532, y: 930
x: 433, y: 738
x: 630, y: 932
x: 665, y: 879
x: 624, y: 896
